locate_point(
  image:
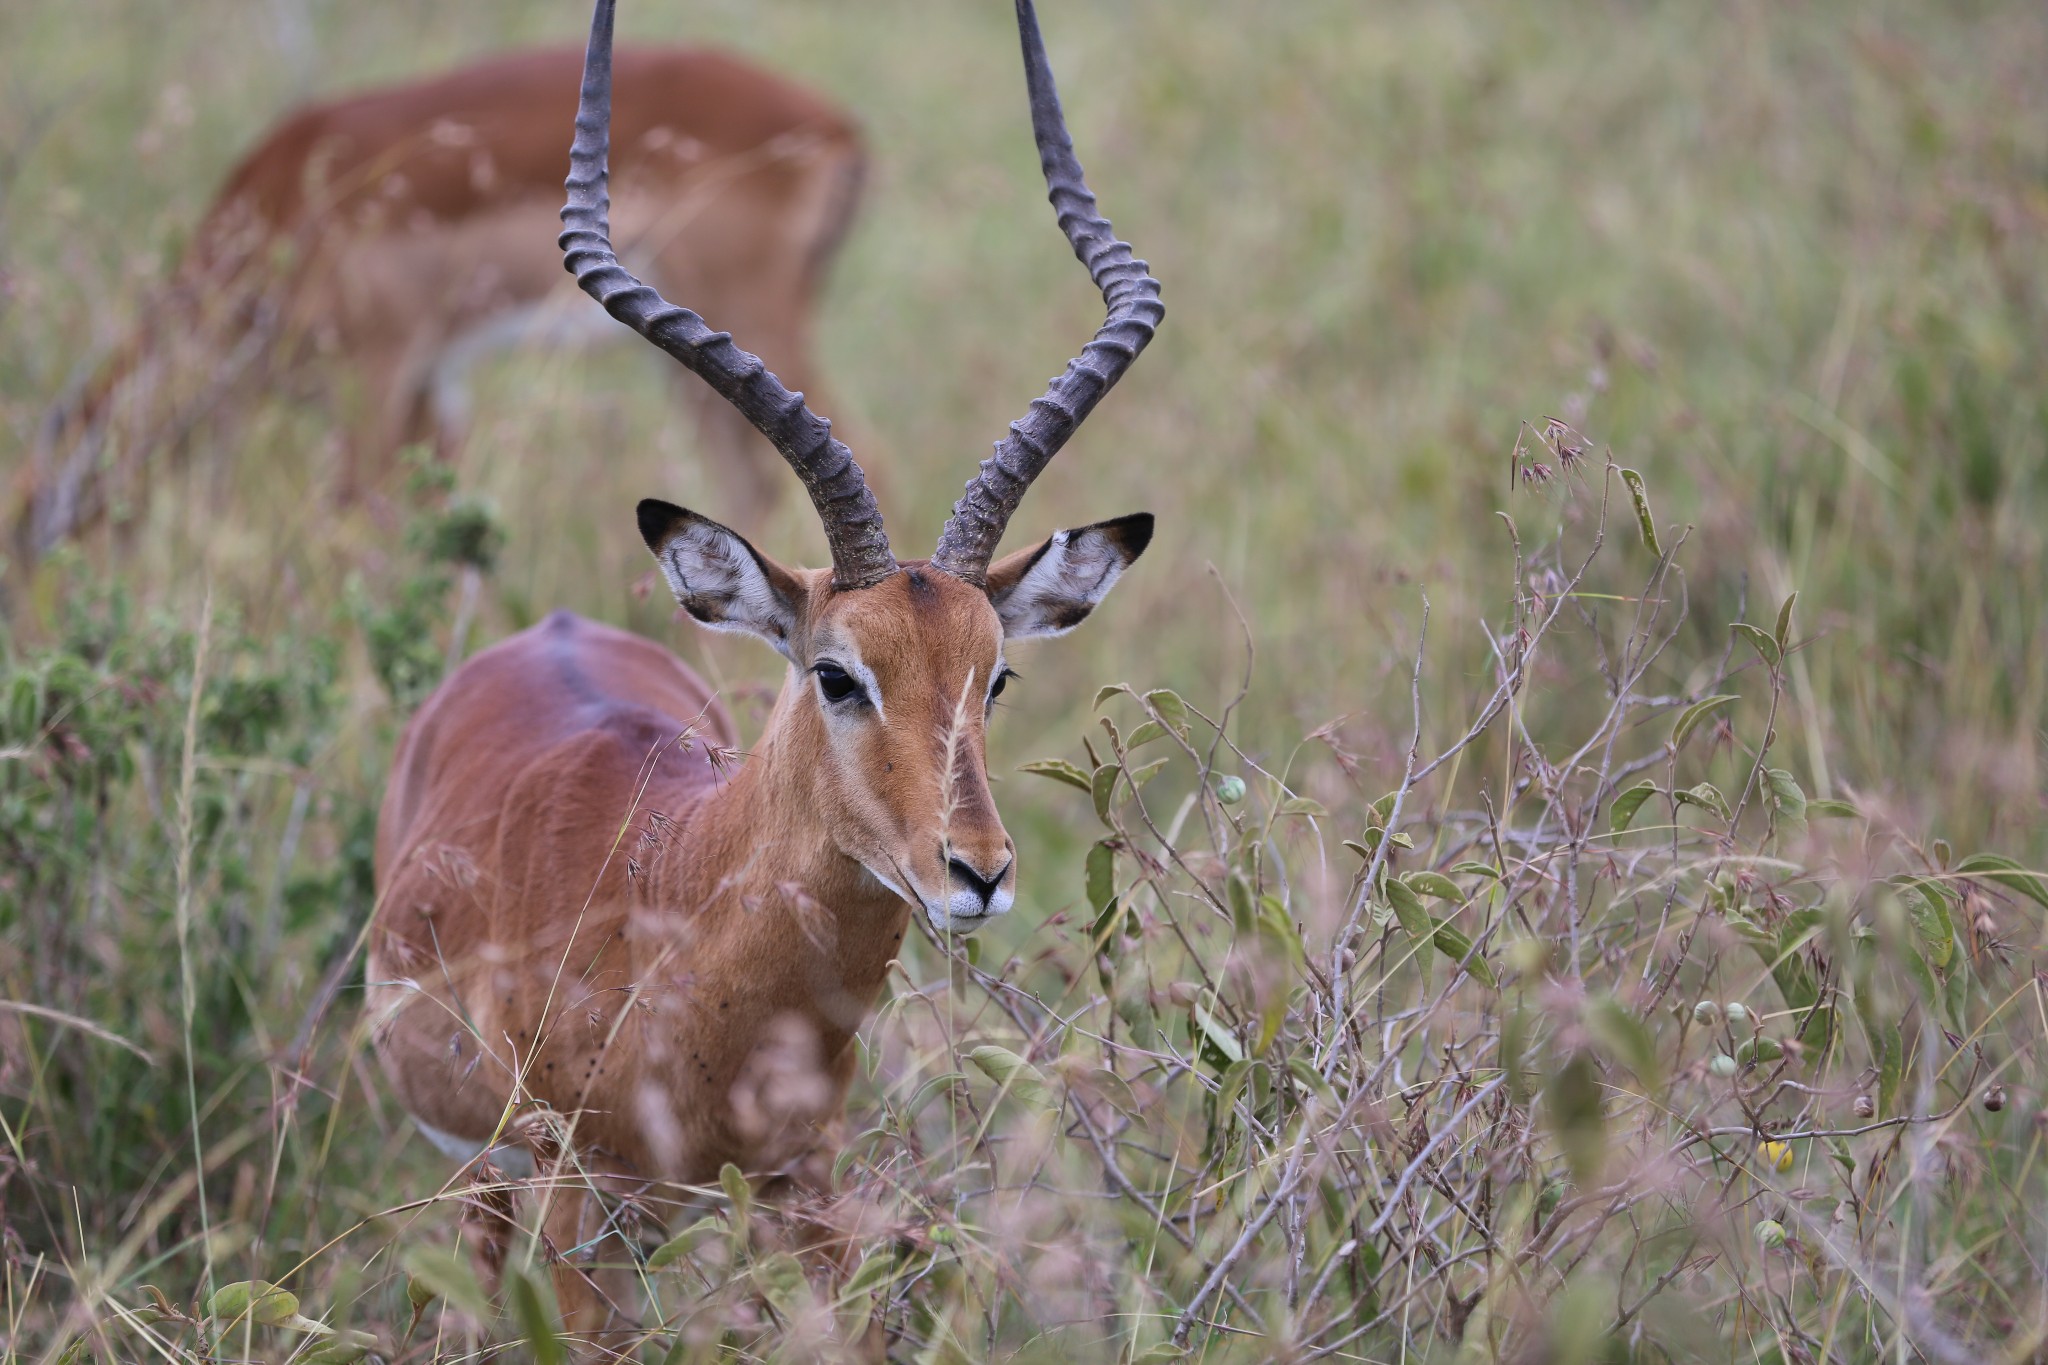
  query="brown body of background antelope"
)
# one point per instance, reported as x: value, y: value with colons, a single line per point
x: 597, y: 945
x: 381, y: 243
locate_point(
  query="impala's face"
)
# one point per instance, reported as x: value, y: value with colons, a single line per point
x: 891, y: 688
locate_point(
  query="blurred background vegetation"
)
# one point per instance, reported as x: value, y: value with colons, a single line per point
x: 1789, y: 261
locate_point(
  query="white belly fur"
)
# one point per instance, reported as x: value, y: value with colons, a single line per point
x: 513, y: 1161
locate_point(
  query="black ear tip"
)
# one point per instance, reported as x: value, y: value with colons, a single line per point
x: 657, y: 521
x: 1133, y: 532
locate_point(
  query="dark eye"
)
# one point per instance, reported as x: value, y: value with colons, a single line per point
x: 835, y: 682
x: 1001, y: 679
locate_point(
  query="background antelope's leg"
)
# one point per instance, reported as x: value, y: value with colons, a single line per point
x: 388, y: 411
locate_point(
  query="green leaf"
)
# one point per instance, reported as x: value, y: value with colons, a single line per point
x: 1795, y: 980
x: 1308, y: 1078
x: 1102, y: 786
x: 1059, y: 770
x: 536, y: 1319
x: 1276, y: 929
x: 447, y: 1272
x: 1302, y: 805
x: 1103, y: 901
x: 1759, y: 1049
x: 931, y: 1090
x: 1108, y: 690
x: 1454, y: 945
x: 1927, y: 907
x: 1998, y: 868
x: 1216, y: 1040
x: 1706, y: 796
x: 1140, y: 776
x: 1783, y: 635
x: 1101, y: 876
x: 1244, y: 910
x: 1819, y: 808
x: 1407, y: 906
x: 1764, y: 645
x: 1644, y: 521
x: 1013, y: 1075
x: 779, y: 1278
x: 258, y: 1300
x: 1171, y: 710
x: 1749, y: 930
x: 1371, y: 842
x: 734, y: 1182
x: 685, y: 1242
x: 1434, y: 884
x: 1785, y: 791
x: 1230, y: 1085
x: 1622, y: 1034
x: 1628, y: 803
x: 346, y: 1349
x: 1573, y: 1107
x: 1146, y: 732
x: 876, y: 1269
x: 1477, y: 869
x: 1689, y: 719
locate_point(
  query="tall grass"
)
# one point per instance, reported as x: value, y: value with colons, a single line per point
x: 1469, y: 1083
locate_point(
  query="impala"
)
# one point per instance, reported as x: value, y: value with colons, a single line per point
x: 404, y: 232
x: 599, y: 944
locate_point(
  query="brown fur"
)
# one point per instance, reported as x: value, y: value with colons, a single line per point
x: 583, y: 913
x: 413, y: 215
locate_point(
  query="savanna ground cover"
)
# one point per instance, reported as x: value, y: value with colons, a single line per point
x: 1502, y: 907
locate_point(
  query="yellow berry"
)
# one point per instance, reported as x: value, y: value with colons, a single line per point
x: 1777, y: 1155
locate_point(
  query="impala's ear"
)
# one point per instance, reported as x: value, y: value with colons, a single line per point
x: 1050, y: 588
x: 721, y: 580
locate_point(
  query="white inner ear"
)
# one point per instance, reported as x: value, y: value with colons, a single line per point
x: 1058, y: 591
x: 716, y: 579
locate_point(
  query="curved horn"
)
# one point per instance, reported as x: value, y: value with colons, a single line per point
x: 969, y: 539
x: 853, y: 524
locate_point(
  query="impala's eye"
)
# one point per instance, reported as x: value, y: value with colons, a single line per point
x: 1001, y: 679
x: 835, y: 682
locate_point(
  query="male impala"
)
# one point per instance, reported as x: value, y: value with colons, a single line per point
x: 398, y: 234
x: 583, y: 917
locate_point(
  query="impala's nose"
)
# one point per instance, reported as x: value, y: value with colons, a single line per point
x: 974, y: 894
x: 983, y: 888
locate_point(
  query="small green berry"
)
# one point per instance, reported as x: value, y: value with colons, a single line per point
x: 1706, y: 1012
x: 1722, y: 1065
x: 1230, y: 790
x: 1770, y: 1234
x: 1738, y: 1014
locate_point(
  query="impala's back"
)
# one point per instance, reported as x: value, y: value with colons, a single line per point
x: 504, y: 880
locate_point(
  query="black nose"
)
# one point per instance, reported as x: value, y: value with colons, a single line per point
x: 984, y: 887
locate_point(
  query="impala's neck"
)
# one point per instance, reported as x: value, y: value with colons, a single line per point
x: 751, y: 876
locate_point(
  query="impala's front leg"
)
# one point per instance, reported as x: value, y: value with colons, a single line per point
x: 586, y: 1225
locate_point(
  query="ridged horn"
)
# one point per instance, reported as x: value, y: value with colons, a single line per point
x: 838, y: 489
x: 971, y: 534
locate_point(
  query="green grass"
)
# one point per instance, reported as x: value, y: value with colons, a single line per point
x: 1787, y: 261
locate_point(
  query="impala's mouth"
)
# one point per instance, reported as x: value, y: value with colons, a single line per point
x: 960, y: 912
